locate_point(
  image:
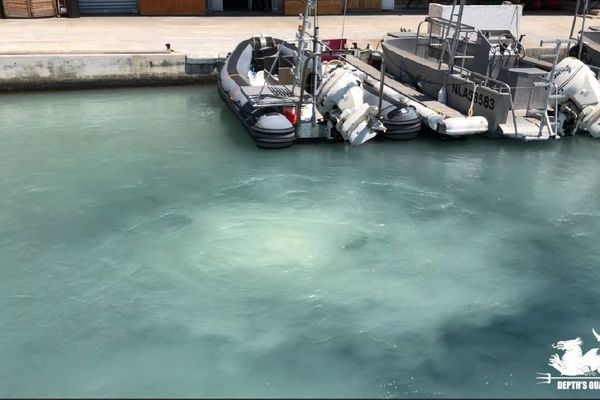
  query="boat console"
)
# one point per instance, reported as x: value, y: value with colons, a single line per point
x: 494, y: 51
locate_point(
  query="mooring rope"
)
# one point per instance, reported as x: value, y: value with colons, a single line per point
x: 470, y: 113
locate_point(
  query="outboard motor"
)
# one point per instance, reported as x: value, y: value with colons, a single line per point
x: 580, y: 102
x: 341, y: 96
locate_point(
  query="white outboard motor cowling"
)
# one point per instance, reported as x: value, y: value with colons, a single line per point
x: 341, y: 96
x: 578, y: 85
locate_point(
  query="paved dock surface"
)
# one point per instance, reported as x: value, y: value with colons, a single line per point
x: 210, y: 37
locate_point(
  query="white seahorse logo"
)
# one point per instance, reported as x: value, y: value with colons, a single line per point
x: 573, y: 362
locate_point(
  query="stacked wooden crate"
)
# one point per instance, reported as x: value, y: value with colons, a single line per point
x: 16, y: 8
x: 43, y: 8
x: 29, y: 8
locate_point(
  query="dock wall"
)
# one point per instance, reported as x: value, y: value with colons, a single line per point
x: 73, y: 71
x: 60, y: 71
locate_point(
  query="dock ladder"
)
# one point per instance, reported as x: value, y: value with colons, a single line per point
x: 450, y: 36
x: 452, y: 45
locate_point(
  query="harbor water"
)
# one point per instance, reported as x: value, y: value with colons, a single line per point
x: 148, y: 249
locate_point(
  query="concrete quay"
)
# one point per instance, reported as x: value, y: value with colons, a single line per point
x: 122, y: 51
x: 62, y: 71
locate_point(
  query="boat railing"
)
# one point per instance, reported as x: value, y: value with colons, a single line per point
x: 500, y: 87
x: 265, y: 95
x: 579, y: 13
x: 463, y: 36
x: 270, y: 71
x: 546, y: 122
x: 302, y: 86
x: 445, y: 26
x: 550, y: 85
x: 485, y: 81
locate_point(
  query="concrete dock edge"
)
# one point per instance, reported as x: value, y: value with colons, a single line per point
x: 19, y: 72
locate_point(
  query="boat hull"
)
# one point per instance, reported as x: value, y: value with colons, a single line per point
x: 429, y: 79
x: 262, y: 139
x: 269, y: 128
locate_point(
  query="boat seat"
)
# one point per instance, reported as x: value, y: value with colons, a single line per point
x: 262, y: 42
x: 264, y: 50
x: 528, y: 71
x: 286, y: 61
x: 264, y: 46
x: 273, y: 62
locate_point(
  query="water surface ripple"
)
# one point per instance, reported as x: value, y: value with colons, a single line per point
x: 148, y: 249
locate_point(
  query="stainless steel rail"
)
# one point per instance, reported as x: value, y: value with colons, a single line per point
x: 485, y: 80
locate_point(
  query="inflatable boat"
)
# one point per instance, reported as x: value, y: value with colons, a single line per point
x: 283, y: 92
x: 243, y: 76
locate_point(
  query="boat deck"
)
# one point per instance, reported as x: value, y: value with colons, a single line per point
x: 527, y: 128
x: 404, y: 89
x: 274, y: 95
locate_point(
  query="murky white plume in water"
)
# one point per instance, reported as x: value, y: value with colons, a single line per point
x: 147, y: 248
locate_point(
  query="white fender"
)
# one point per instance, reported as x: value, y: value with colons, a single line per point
x: 462, y: 126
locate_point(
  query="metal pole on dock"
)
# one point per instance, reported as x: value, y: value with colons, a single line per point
x: 585, y: 5
x: 381, y: 81
x: 344, y: 18
x: 575, y: 18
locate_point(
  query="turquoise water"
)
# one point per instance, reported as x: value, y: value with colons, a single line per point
x: 147, y: 248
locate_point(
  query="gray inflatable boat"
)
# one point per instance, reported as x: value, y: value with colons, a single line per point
x: 243, y: 74
x: 259, y: 82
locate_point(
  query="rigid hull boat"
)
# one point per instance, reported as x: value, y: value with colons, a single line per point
x: 486, y: 73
